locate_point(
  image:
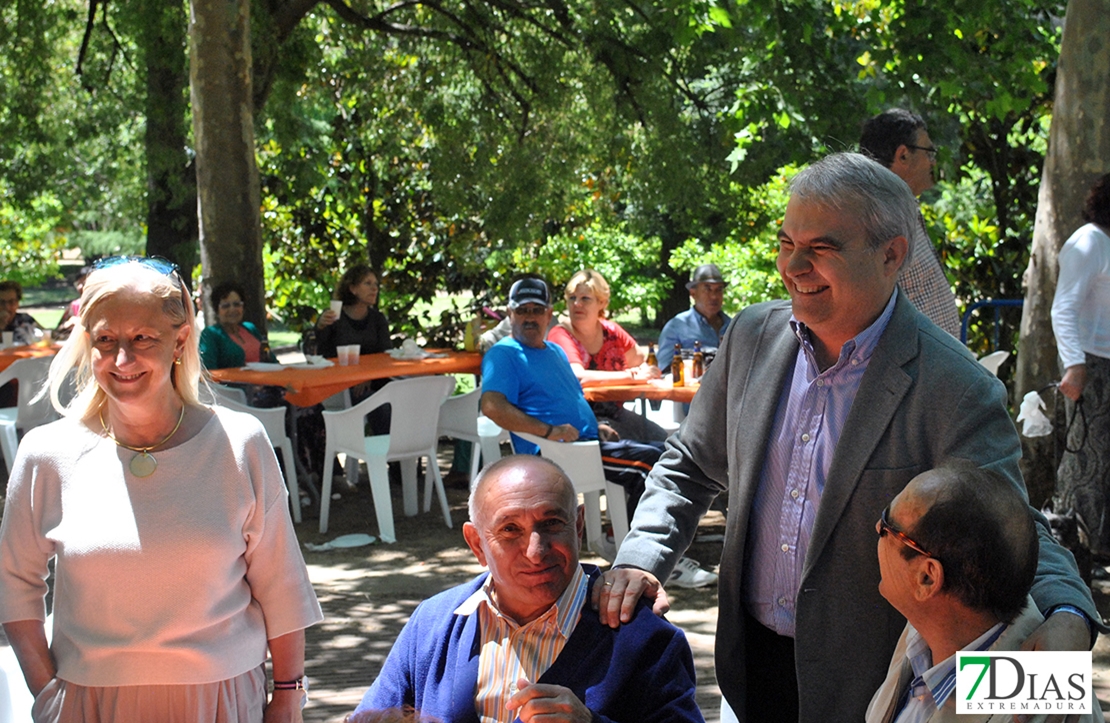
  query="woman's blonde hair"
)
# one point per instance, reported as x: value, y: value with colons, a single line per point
x: 593, y: 281
x: 76, y: 354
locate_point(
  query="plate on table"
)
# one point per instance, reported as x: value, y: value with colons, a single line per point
x: 263, y: 367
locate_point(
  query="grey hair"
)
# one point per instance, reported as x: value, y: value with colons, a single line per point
x: 858, y: 187
x: 495, y: 470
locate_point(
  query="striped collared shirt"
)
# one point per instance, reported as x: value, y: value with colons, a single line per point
x: 510, y: 651
x: 812, y: 409
x: 933, y: 685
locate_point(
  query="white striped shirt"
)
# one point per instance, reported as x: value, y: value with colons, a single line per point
x: 510, y: 651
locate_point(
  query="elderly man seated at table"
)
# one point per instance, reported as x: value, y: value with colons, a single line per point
x: 704, y: 322
x: 518, y: 641
x: 957, y: 554
x: 528, y: 386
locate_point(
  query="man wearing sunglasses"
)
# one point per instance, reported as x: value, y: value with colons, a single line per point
x: 957, y: 554
x: 815, y: 414
x: 899, y: 140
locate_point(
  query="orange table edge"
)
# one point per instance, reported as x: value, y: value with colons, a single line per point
x: 307, y: 387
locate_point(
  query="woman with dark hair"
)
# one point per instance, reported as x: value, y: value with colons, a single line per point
x: 231, y: 342
x: 360, y: 322
x: 1081, y: 323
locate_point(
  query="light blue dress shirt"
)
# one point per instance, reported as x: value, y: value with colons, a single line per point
x: 685, y: 329
x: 812, y: 408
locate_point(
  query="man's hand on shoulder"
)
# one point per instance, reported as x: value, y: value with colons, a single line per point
x: 1062, y: 631
x: 548, y: 703
x: 616, y: 593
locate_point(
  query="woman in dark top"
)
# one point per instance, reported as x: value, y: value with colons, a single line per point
x: 360, y: 323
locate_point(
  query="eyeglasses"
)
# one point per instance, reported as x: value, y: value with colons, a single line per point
x: 931, y: 150
x: 225, y: 305
x: 530, y: 310
x: 884, y: 527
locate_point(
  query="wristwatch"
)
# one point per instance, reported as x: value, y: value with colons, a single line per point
x: 300, y: 684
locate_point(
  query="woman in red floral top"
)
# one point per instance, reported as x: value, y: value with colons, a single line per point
x: 600, y: 350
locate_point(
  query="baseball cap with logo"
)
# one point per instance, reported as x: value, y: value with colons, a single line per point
x: 529, y: 291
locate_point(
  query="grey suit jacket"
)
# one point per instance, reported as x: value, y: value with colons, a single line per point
x: 922, y: 401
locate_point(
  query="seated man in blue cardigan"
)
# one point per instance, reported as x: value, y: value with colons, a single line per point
x: 518, y: 643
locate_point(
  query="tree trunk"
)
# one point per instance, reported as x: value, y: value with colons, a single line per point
x: 1078, y: 152
x: 171, y: 177
x: 223, y: 126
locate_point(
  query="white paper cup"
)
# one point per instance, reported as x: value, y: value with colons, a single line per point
x: 9, y: 339
x: 337, y: 307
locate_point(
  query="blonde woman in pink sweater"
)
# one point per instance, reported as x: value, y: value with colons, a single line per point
x: 177, y: 569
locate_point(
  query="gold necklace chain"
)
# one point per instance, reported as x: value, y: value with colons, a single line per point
x: 144, y: 450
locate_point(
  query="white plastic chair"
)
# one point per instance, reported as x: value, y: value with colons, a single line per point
x: 994, y: 360
x: 412, y: 434
x: 459, y: 419
x: 582, y: 463
x: 273, y: 420
x: 31, y: 375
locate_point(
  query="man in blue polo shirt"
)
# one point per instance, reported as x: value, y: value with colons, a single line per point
x: 528, y: 386
x: 705, y: 322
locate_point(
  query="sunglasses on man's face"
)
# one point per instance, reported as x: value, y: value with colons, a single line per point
x: 883, y: 526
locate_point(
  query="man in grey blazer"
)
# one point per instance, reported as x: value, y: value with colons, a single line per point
x: 815, y: 414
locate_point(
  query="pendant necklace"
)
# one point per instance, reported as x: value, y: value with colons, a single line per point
x: 142, y: 464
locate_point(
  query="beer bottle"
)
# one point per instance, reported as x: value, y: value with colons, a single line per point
x: 676, y: 367
x: 651, y: 360
x: 699, y: 364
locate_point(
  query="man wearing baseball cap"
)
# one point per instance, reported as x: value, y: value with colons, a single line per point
x: 705, y: 322
x: 528, y: 386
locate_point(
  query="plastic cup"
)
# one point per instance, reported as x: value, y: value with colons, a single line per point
x: 353, y: 352
x: 9, y: 339
x: 47, y: 337
x: 337, y: 308
x: 343, y: 357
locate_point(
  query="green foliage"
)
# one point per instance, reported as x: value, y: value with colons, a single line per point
x: 29, y: 237
x: 67, y: 142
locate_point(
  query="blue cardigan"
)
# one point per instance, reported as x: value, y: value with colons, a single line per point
x: 643, y: 672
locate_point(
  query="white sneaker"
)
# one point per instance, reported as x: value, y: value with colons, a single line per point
x: 688, y: 573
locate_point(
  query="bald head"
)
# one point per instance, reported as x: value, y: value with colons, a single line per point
x: 979, y: 526
x: 539, y: 471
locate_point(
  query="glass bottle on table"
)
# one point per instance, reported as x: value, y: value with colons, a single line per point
x: 652, y: 361
x: 677, y: 367
x: 699, y: 364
